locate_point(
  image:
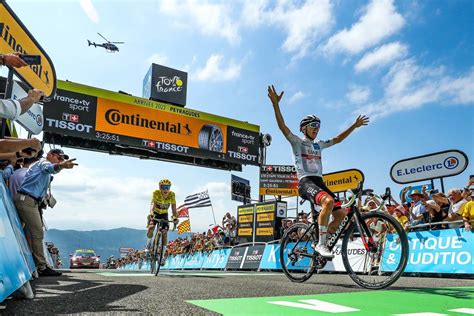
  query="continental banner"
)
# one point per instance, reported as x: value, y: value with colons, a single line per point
x: 15, y: 37
x: 91, y: 113
x: 282, y: 180
x: 245, y: 222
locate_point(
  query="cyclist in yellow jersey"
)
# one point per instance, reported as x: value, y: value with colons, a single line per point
x: 160, y: 202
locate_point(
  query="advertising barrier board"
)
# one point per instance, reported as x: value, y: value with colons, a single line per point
x: 32, y: 120
x: 236, y: 258
x: 253, y: 257
x: 436, y: 251
x: 15, y: 37
x: 94, y: 114
x: 193, y: 261
x: 217, y: 259
x: 432, y: 166
x: 15, y: 264
x: 174, y: 262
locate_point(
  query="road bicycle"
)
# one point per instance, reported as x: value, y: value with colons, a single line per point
x: 374, y: 245
x: 157, y: 249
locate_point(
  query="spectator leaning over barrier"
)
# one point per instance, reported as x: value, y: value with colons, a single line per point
x: 19, y: 174
x: 418, y: 209
x: 29, y: 197
x: 467, y: 213
x: 457, y: 201
x: 402, y: 219
x: 434, y: 213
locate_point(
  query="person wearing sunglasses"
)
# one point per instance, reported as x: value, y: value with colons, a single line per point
x: 307, y: 159
x: 160, y: 203
x: 32, y: 192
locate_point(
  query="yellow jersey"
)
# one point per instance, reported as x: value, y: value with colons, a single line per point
x: 161, y: 203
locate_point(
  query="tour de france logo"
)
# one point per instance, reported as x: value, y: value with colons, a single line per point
x: 451, y: 162
x: 169, y: 84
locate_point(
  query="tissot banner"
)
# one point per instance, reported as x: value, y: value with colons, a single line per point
x: 92, y: 113
x: 15, y: 37
x: 236, y: 258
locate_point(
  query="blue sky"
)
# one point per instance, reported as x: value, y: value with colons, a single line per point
x: 408, y: 65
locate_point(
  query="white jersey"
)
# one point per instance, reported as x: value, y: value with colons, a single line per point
x: 307, y: 155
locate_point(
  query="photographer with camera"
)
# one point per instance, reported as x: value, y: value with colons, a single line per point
x: 33, y: 191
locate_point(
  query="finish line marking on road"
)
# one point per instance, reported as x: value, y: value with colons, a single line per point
x: 187, y: 273
x: 442, y: 301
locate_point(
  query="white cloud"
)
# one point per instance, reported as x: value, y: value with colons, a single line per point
x: 304, y: 24
x: 409, y: 86
x: 210, y: 18
x: 380, y: 21
x: 358, y: 94
x: 215, y: 71
x: 296, y: 97
x: 157, y: 59
x: 89, y: 10
x: 382, y: 56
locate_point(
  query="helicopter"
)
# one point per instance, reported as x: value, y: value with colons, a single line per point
x: 109, y: 46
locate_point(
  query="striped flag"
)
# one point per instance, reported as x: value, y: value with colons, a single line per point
x: 183, y: 211
x: 201, y: 199
x: 184, y: 226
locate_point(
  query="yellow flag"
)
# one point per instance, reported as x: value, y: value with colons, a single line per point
x: 184, y: 226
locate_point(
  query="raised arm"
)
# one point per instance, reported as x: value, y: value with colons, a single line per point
x: 275, y: 98
x: 360, y: 121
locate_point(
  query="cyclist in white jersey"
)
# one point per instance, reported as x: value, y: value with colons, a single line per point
x: 307, y: 158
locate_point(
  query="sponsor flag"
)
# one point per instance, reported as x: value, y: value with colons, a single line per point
x: 183, y: 211
x: 201, y: 199
x: 184, y: 226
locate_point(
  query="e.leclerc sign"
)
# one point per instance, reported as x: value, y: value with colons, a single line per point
x: 437, y: 165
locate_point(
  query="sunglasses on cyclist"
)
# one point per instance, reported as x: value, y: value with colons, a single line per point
x: 165, y: 187
x: 314, y: 124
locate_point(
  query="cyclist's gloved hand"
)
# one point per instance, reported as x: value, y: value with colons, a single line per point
x: 175, y: 220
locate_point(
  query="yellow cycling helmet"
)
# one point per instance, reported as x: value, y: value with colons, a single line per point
x: 165, y: 182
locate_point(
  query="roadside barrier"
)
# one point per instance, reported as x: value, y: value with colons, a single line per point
x: 16, y: 261
x: 448, y: 251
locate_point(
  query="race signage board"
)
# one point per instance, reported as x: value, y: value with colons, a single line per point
x: 236, y: 258
x: 15, y: 37
x: 107, y: 117
x: 240, y: 189
x: 282, y: 180
x: 32, y: 120
x: 165, y: 84
x: 245, y: 222
x: 265, y: 221
x: 432, y: 166
x: 278, y: 180
x: 126, y: 249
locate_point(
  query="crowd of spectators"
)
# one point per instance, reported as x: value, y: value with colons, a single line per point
x: 54, y: 252
x: 26, y: 172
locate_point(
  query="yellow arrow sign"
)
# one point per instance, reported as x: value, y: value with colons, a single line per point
x: 343, y: 180
x: 15, y: 37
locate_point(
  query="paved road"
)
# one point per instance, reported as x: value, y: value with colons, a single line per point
x: 128, y: 291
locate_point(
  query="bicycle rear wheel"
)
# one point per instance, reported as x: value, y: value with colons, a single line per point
x: 296, y: 252
x: 377, y: 264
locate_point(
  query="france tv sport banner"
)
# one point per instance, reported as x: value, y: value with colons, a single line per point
x: 15, y: 37
x: 92, y: 113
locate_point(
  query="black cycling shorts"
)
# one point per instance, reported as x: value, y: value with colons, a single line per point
x: 313, y: 188
x: 163, y: 225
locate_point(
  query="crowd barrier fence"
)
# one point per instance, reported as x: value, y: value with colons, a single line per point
x: 448, y: 251
x: 16, y: 262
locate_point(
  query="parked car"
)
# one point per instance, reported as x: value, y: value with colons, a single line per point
x: 83, y: 258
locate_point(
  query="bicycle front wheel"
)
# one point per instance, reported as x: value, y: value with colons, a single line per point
x: 159, y: 255
x: 296, y: 252
x: 154, y: 263
x: 375, y: 258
